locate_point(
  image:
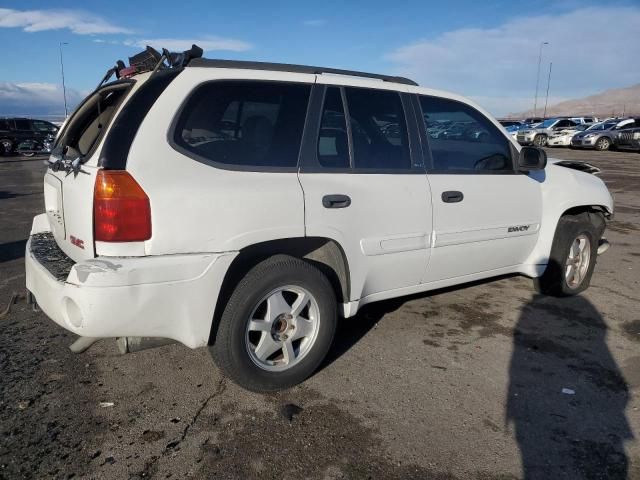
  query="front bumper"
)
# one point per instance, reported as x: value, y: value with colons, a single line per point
x: 558, y: 142
x: 583, y: 142
x: 525, y: 140
x: 168, y: 296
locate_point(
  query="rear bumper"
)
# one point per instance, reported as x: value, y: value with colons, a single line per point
x: 170, y: 296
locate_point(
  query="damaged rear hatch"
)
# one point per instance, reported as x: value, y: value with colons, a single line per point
x: 73, y: 165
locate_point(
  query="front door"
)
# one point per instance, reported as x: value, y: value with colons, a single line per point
x: 364, y: 186
x: 486, y: 216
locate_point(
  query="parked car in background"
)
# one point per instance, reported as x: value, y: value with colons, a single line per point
x: 562, y: 138
x: 533, y: 120
x: 600, y: 135
x: 627, y: 137
x: 34, y: 146
x: 585, y: 120
x: 539, y: 135
x: 514, y: 129
x: 510, y: 123
x: 14, y: 131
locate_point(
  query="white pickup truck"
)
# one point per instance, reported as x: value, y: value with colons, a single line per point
x: 247, y: 206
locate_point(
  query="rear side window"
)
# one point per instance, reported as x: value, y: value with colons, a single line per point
x: 23, y: 125
x: 463, y: 139
x: 245, y: 123
x: 4, y: 125
x: 378, y: 129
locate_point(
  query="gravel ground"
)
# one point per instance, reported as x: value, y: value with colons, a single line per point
x: 460, y: 383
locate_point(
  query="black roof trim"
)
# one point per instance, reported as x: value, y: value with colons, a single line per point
x: 287, y: 67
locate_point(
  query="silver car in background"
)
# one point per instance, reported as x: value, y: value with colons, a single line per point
x: 538, y: 136
x: 600, y: 135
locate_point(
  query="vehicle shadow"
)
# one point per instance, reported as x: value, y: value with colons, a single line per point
x: 567, y: 396
x: 12, y: 250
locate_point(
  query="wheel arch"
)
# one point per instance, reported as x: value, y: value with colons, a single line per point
x: 537, y: 261
x: 325, y: 253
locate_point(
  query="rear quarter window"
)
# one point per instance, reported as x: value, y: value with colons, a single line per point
x: 244, y: 124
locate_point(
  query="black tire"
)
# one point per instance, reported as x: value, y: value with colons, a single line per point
x: 553, y: 281
x: 540, y: 140
x: 6, y: 146
x: 230, y: 350
x: 603, y: 144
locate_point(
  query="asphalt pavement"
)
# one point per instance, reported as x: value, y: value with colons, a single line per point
x: 483, y: 381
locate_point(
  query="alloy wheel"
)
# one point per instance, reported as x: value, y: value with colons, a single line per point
x: 282, y: 328
x: 577, y: 264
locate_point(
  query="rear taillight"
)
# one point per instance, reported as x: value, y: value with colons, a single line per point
x: 121, y: 211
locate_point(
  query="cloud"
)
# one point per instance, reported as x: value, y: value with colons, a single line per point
x: 78, y: 22
x: 316, y: 22
x: 36, y: 98
x: 501, y: 62
x: 208, y: 43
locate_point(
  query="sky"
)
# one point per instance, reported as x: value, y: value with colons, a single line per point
x: 486, y: 50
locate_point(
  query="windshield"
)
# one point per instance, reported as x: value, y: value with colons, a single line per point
x: 547, y: 123
x: 602, y: 126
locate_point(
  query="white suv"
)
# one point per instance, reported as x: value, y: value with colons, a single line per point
x: 246, y: 206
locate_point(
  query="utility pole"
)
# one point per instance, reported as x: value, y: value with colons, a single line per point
x: 64, y: 88
x: 535, y: 101
x: 544, y: 116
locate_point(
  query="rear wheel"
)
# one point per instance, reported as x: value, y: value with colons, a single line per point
x: 573, y: 255
x: 603, y: 144
x: 540, y: 140
x: 277, y: 326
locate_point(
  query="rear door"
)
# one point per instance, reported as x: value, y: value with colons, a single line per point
x: 486, y: 216
x: 365, y: 186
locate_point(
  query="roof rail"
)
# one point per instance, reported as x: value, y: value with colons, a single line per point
x: 286, y: 67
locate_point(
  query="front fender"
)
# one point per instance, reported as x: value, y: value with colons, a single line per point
x: 564, y: 189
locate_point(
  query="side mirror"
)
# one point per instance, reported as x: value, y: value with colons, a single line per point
x: 532, y: 158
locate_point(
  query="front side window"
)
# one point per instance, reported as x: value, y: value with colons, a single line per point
x: 463, y: 139
x: 41, y: 126
x: 378, y: 129
x: 245, y: 123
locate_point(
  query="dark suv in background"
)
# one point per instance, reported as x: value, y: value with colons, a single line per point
x: 14, y: 131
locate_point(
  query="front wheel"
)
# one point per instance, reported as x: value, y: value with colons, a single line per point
x: 603, y: 144
x: 573, y: 255
x: 540, y: 140
x: 278, y: 325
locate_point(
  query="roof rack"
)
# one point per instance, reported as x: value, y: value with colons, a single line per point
x: 286, y: 67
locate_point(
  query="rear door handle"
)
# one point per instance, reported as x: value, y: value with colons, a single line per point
x: 452, y: 196
x: 336, y: 201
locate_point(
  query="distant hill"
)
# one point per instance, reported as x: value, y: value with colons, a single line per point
x: 610, y: 103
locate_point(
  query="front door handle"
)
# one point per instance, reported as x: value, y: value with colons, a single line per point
x: 336, y: 201
x: 452, y: 196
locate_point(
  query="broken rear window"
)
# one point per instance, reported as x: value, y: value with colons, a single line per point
x: 92, y: 118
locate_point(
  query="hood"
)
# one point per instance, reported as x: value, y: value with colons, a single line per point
x: 575, y: 165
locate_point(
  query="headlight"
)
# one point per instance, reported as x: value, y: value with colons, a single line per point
x: 589, y: 135
x: 636, y: 135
